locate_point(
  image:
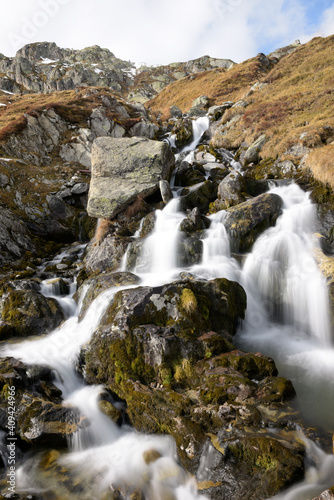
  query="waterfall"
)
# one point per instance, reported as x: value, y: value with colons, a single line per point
x: 287, y: 318
x: 199, y: 126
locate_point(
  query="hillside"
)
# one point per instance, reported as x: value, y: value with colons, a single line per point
x: 289, y: 99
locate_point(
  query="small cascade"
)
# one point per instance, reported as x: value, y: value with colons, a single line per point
x: 199, y: 127
x: 287, y: 315
x: 217, y: 261
x: 282, y: 270
x: 159, y: 256
x: 63, y: 292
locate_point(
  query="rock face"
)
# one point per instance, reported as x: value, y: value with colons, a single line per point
x: 45, y: 67
x: 122, y: 170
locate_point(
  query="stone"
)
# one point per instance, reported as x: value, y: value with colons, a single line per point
x: 27, y: 312
x: 183, y: 131
x: 175, y: 112
x: 107, y: 255
x: 122, y: 170
x: 199, y: 195
x: 144, y: 128
x: 245, y: 221
x: 216, y: 112
x: 252, y: 154
x: 201, y: 102
x: 194, y: 222
x: 165, y: 190
x: 231, y: 190
x: 103, y: 282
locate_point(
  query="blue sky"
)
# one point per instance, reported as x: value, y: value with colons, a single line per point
x: 160, y: 31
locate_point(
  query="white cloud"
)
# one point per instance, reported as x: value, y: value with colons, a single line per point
x: 161, y: 31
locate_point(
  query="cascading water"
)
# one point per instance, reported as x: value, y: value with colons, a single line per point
x: 288, y: 309
x: 287, y: 318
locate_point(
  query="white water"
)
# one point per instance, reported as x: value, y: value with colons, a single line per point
x: 199, y: 127
x: 287, y: 318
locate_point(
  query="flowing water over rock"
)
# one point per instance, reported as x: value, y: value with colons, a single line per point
x: 287, y: 318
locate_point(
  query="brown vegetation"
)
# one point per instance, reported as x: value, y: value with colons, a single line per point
x: 134, y: 208
x: 74, y: 106
x: 218, y: 84
x: 295, y: 108
x: 102, y: 229
x: 321, y: 163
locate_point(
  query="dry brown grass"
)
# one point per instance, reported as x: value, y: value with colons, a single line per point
x: 321, y: 163
x: 74, y: 106
x: 102, y: 229
x: 218, y: 84
x: 296, y: 107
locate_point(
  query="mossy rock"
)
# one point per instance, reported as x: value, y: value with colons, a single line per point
x: 275, y: 389
x: 275, y: 461
x: 42, y: 422
x: 27, y: 312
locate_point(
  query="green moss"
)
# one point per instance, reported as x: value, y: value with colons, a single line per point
x: 188, y: 301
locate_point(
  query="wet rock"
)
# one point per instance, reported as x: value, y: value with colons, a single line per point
x: 103, y: 282
x: 194, y: 222
x: 188, y: 175
x: 166, y: 192
x: 26, y: 312
x: 160, y: 325
x: 246, y: 220
x: 199, y: 195
x: 256, y: 186
x: 183, y: 132
x: 122, y: 170
x: 190, y: 250
x: 111, y: 411
x: 43, y: 422
x: 231, y: 191
x: 107, y: 255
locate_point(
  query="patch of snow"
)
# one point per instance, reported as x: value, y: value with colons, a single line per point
x: 1, y: 104
x: 7, y: 159
x: 7, y: 92
x: 131, y: 71
x: 45, y: 60
x: 98, y: 71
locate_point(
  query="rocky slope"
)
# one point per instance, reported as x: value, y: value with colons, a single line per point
x: 164, y: 349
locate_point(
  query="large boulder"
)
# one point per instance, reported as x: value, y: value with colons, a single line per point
x: 161, y: 324
x: 123, y: 169
x: 245, y: 221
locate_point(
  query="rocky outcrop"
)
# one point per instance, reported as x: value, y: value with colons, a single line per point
x: 166, y: 353
x: 44, y: 67
x: 246, y: 220
x: 122, y: 170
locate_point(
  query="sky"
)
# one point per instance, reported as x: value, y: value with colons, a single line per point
x: 157, y: 32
